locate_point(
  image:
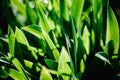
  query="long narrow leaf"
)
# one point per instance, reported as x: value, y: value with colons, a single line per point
x: 77, y: 10
x: 19, y: 66
x: 16, y: 75
x: 103, y: 56
x: 112, y: 32
x: 11, y: 40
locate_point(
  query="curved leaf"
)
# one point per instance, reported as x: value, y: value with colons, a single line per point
x: 112, y: 32
x: 103, y: 56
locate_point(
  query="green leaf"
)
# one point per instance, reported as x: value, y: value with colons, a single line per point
x: 103, y: 56
x: 4, y: 39
x: 81, y: 53
x: 109, y: 48
x: 77, y: 10
x: 52, y: 64
x: 97, y: 7
x: 74, y: 35
x: 16, y: 75
x: 3, y: 73
x: 20, y: 6
x: 86, y: 39
x: 97, y: 20
x: 43, y: 20
x: 55, y: 52
x: 64, y: 9
x: 19, y: 66
x: 45, y: 75
x: 63, y: 67
x: 30, y: 65
x: 118, y: 75
x: 56, y: 6
x: 4, y: 61
x: 36, y: 30
x: 112, y: 32
x: 11, y: 40
x: 31, y: 15
x: 21, y: 37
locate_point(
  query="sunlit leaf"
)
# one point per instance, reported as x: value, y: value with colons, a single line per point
x: 11, y: 40
x: 103, y: 56
x: 4, y: 39
x: 63, y: 67
x: 20, y: 6
x: 31, y: 15
x: 16, y: 75
x: 19, y: 66
x: 77, y: 10
x: 35, y: 30
x: 86, y: 39
x: 64, y: 10
x: 21, y: 37
x: 30, y: 65
x: 55, y: 52
x: 43, y: 20
x: 45, y: 75
x: 112, y: 32
x: 4, y: 61
x: 38, y: 32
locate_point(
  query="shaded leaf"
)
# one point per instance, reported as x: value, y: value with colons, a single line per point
x: 51, y: 64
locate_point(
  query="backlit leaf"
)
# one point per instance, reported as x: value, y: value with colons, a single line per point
x: 45, y: 75
x: 112, y: 32
x: 103, y: 56
x: 63, y: 67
